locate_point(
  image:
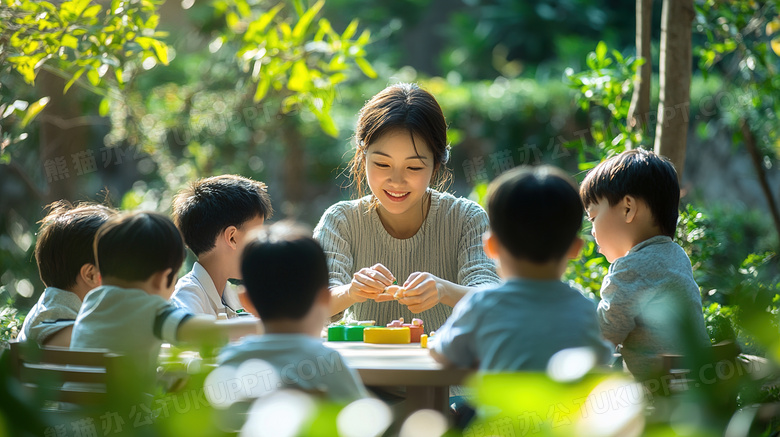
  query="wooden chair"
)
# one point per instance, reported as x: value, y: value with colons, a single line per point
x: 52, y: 375
x: 716, y: 372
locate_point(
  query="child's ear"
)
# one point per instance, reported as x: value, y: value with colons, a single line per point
x: 575, y: 248
x: 490, y: 244
x: 324, y: 296
x: 90, y: 275
x: 246, y: 302
x: 629, y: 206
x: 231, y: 237
x: 159, y: 280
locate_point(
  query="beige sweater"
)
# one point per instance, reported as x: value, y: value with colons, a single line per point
x: 448, y: 245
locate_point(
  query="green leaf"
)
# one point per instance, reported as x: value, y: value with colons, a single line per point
x: 326, y: 124
x: 73, y: 80
x: 601, y: 51
x: 104, y: 106
x: 266, y: 18
x: 299, y: 78
x: 365, y: 67
x: 69, y: 41
x: 34, y: 110
x: 364, y: 38
x: 93, y: 77
x: 161, y: 51
x: 243, y: 8
x: 306, y: 19
x: 24, y: 65
x: 337, y: 78
x: 262, y: 88
x: 351, y: 29
x: 91, y: 11
x: 145, y: 42
x: 232, y: 20
x: 298, y: 4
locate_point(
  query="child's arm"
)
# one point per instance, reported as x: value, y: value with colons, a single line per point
x: 617, y: 309
x: 439, y: 358
x: 206, y: 330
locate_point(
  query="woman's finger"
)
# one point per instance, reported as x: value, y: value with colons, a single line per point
x: 413, y: 280
x: 384, y: 297
x: 384, y: 275
x: 367, y: 283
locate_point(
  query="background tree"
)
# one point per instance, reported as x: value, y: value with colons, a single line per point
x: 675, y: 81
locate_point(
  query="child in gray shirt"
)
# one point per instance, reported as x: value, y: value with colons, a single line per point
x: 650, y: 303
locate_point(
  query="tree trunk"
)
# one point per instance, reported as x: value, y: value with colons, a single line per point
x: 675, y: 71
x: 758, y: 163
x: 294, y: 167
x: 639, y: 110
x: 61, y: 138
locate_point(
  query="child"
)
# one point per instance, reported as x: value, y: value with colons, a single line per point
x: 286, y: 280
x: 138, y: 255
x: 535, y: 217
x: 66, y: 264
x: 405, y: 229
x: 650, y: 302
x: 214, y: 215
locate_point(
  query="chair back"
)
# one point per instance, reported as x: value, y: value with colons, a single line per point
x: 82, y: 377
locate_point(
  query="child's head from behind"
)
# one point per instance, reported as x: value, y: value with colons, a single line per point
x: 401, y: 147
x: 284, y: 271
x: 63, y: 250
x: 535, y: 213
x: 630, y: 197
x: 140, y: 247
x: 220, y: 208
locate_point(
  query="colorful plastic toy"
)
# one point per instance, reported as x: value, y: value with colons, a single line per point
x: 416, y: 328
x: 379, y: 335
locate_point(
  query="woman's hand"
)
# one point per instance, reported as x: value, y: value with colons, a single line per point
x: 370, y: 282
x: 423, y: 291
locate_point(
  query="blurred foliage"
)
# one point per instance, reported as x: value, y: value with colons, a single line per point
x: 287, y: 52
x: 10, y: 322
x: 742, y: 43
x: 72, y: 39
x: 509, y: 37
x: 604, y: 93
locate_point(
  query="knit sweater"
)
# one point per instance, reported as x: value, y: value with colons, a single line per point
x: 651, y: 305
x: 448, y: 245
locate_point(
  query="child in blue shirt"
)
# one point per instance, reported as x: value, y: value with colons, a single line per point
x: 535, y: 217
x: 138, y: 256
x: 286, y: 278
x: 650, y: 303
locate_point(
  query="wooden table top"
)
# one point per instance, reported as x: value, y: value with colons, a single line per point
x: 397, y: 364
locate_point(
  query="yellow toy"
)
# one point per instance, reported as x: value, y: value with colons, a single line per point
x: 379, y: 335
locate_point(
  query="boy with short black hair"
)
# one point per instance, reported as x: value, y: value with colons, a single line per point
x: 138, y: 256
x: 286, y: 278
x: 214, y: 214
x: 535, y: 217
x: 650, y: 303
x: 66, y: 264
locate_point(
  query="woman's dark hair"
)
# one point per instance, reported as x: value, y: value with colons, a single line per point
x: 405, y: 107
x: 134, y: 246
x: 283, y: 270
x: 639, y: 173
x: 64, y: 241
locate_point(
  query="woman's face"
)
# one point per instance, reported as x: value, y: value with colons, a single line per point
x: 397, y: 174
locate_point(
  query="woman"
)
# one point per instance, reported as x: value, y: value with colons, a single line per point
x: 405, y: 230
